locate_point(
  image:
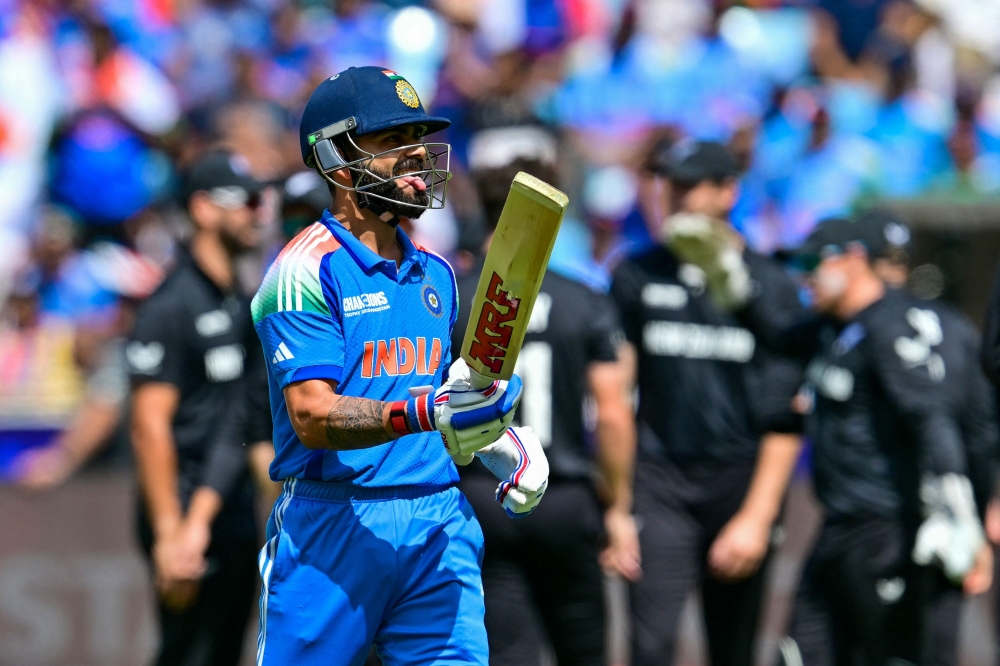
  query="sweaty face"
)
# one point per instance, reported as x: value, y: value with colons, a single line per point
x: 828, y: 284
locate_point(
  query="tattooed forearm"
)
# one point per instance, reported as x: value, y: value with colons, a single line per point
x: 355, y: 423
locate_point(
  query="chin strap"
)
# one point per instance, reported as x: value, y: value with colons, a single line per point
x: 377, y: 207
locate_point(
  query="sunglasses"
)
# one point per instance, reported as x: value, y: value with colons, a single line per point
x: 808, y: 263
x: 234, y: 198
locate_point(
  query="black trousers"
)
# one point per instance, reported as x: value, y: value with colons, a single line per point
x: 681, y: 510
x: 211, y: 632
x: 541, y: 576
x: 863, y: 601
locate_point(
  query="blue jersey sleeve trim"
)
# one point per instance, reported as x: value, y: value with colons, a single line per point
x: 331, y: 372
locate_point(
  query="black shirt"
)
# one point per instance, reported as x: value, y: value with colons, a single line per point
x: 707, y: 390
x: 571, y: 327
x: 192, y: 335
x: 890, y: 387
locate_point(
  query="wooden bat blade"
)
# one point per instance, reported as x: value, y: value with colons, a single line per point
x: 512, y: 275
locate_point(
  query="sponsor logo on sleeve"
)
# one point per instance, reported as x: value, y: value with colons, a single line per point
x: 282, y: 353
x: 919, y: 351
x: 145, y: 359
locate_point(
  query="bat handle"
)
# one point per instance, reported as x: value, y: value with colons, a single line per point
x: 479, y: 381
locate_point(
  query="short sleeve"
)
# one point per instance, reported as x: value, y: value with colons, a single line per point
x: 155, y: 352
x: 298, y: 321
x: 302, y: 345
x: 605, y: 332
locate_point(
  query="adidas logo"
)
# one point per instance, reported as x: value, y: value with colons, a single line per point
x: 282, y: 353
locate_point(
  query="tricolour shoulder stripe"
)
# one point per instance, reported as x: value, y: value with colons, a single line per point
x: 293, y: 283
x: 300, y: 245
x: 309, y: 260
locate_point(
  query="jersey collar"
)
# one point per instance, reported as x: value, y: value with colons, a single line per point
x: 368, y: 260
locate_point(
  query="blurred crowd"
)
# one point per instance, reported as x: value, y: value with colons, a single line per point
x: 827, y: 104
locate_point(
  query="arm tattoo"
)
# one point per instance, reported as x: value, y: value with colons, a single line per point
x: 355, y: 423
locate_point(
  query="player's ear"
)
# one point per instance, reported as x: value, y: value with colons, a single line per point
x: 731, y: 193
x: 203, y: 212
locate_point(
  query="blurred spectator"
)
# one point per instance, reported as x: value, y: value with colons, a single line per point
x: 40, y: 384
x: 99, y: 353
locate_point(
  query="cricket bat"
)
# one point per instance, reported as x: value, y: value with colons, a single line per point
x: 511, y: 277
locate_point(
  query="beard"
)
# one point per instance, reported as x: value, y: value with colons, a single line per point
x: 396, y: 201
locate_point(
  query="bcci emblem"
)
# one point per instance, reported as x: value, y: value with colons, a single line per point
x: 432, y: 300
x: 407, y: 94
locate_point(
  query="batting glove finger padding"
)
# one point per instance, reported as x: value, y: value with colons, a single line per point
x: 517, y: 459
x: 468, y: 418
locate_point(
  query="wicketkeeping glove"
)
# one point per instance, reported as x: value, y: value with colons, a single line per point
x: 468, y: 418
x: 517, y: 459
x: 714, y: 247
x: 951, y: 533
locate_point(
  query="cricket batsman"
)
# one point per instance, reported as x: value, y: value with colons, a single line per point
x: 371, y: 541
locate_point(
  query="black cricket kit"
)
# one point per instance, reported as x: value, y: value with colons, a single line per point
x: 545, y: 567
x: 892, y: 388
x: 708, y: 392
x: 192, y: 335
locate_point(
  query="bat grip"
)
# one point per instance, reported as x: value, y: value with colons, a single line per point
x: 479, y: 381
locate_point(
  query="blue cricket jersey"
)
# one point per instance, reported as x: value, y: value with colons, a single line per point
x: 330, y: 308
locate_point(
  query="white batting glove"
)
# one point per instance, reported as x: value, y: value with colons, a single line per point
x: 951, y: 533
x: 517, y: 459
x: 467, y: 417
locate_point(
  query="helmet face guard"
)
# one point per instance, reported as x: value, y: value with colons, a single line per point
x: 327, y: 158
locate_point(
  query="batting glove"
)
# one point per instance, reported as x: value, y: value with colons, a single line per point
x: 468, y: 418
x: 517, y: 459
x: 951, y: 533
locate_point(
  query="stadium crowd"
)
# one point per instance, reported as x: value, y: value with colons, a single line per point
x: 827, y: 107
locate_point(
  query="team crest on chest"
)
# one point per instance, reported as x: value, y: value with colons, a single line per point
x: 432, y: 300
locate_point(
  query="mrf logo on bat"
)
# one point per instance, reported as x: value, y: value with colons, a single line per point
x: 511, y: 277
x: 491, y: 337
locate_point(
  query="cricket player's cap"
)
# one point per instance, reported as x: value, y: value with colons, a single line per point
x: 887, y: 231
x: 375, y: 97
x: 305, y: 189
x: 692, y: 162
x: 221, y: 169
x: 833, y: 236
